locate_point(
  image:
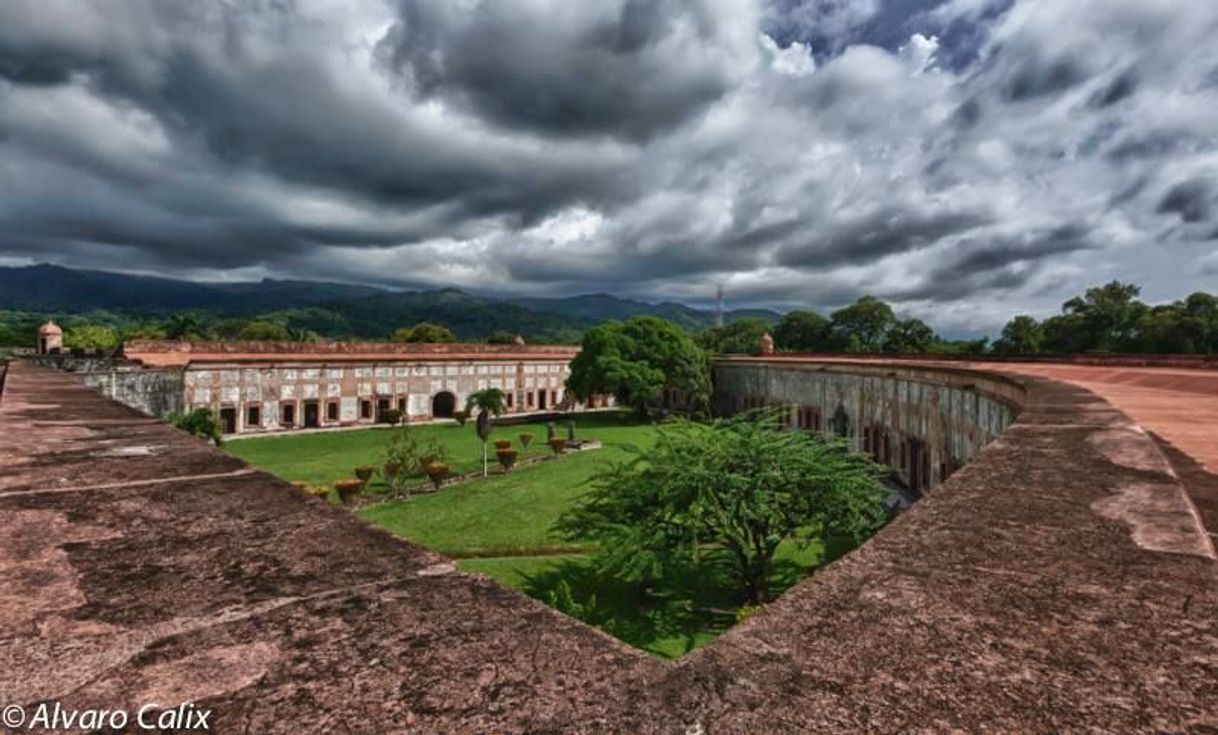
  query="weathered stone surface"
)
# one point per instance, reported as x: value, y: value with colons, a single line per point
x: 1004, y: 601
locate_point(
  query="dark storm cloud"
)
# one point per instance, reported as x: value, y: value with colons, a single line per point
x: 799, y: 151
x: 1193, y: 200
x: 878, y: 233
x: 613, y: 70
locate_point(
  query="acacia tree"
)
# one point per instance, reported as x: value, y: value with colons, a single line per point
x: 636, y: 360
x: 742, y: 485
x: 486, y: 402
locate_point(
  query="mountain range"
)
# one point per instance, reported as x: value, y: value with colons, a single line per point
x: 332, y: 309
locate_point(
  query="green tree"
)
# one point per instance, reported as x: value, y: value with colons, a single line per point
x: 740, y: 485
x: 488, y: 402
x: 803, y: 331
x: 1107, y: 318
x: 862, y: 326
x: 636, y: 360
x: 200, y: 422
x: 424, y: 332
x: 91, y: 337
x: 501, y: 337
x: 264, y: 331
x: 185, y: 326
x: 909, y: 337
x: 1023, y: 335
x: 741, y: 337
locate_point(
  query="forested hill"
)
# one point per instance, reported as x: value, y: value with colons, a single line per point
x: 329, y: 309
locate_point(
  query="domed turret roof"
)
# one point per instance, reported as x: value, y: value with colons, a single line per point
x: 50, y: 329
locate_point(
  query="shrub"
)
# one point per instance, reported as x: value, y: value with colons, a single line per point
x: 437, y: 472
x: 461, y: 416
x: 348, y: 488
x: 199, y: 422
x: 390, y: 416
x: 744, y: 612
x: 525, y: 440
x: 562, y: 599
x: 502, y: 444
x: 507, y: 458
x: 317, y: 492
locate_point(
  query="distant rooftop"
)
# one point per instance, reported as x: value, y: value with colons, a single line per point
x: 164, y: 353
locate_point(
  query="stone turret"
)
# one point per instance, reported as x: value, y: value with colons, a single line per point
x: 50, y: 339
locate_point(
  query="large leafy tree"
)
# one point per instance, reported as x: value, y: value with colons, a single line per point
x: 740, y: 486
x: 91, y: 337
x: 185, y: 326
x: 486, y: 403
x: 909, y: 336
x: 803, y: 331
x: 636, y: 360
x: 862, y: 326
x: 424, y: 332
x: 1023, y: 335
x: 741, y: 337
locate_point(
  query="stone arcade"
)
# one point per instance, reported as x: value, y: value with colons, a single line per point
x: 256, y: 387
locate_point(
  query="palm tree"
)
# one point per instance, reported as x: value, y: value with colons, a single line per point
x: 486, y: 402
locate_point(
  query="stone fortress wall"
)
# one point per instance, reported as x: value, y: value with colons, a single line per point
x: 1062, y: 581
x: 923, y: 422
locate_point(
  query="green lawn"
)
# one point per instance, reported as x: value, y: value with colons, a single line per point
x: 324, y: 457
x: 500, y: 526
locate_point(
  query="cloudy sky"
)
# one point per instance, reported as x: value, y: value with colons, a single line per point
x: 966, y: 159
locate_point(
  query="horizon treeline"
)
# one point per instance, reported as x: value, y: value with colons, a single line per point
x: 1108, y: 318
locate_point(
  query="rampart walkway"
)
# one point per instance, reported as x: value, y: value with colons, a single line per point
x: 1059, y: 583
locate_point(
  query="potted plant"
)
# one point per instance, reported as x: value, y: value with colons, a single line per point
x: 507, y: 458
x: 558, y: 445
x: 525, y: 440
x: 317, y: 491
x: 502, y: 444
x: 348, y: 488
x: 364, y: 473
x: 437, y: 472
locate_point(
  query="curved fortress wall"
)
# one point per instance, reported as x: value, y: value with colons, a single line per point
x: 923, y: 422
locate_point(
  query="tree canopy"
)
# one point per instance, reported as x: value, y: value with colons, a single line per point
x: 740, y: 337
x: 862, y: 326
x: 804, y: 331
x: 636, y: 360
x: 424, y: 332
x: 740, y: 485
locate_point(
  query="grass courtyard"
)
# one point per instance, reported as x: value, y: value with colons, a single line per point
x: 501, y: 526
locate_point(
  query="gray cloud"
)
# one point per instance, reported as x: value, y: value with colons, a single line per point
x: 802, y: 152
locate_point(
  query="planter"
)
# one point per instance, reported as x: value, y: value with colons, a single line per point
x: 507, y: 458
x: 558, y: 445
x: 437, y: 472
x: 348, y: 488
x: 525, y: 440
x: 317, y: 492
x: 502, y: 444
x: 364, y: 473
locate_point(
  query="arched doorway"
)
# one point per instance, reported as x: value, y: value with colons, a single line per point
x: 443, y: 405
